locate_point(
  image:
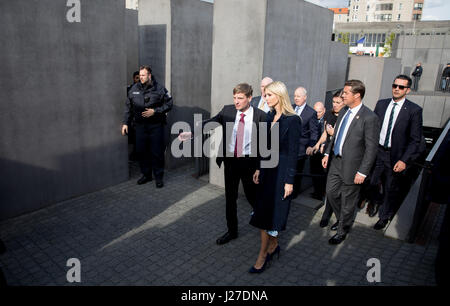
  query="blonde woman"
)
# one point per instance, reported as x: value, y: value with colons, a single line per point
x: 275, y: 185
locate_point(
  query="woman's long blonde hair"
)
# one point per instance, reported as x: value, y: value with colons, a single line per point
x: 279, y: 89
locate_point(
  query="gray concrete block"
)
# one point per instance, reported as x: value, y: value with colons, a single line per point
x: 401, y: 42
x: 445, y: 57
x: 60, y: 124
x: 132, y: 44
x: 418, y: 99
x: 337, y: 66
x: 410, y: 42
x: 409, y: 58
x: 437, y: 42
x: 429, y: 76
x: 432, y: 111
x: 423, y: 42
x: 434, y: 56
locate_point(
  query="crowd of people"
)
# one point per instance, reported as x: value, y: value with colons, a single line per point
x: 355, y: 154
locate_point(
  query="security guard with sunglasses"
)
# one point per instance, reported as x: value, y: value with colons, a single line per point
x: 147, y: 103
x: 399, y: 145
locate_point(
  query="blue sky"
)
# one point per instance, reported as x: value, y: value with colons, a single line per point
x: 432, y: 10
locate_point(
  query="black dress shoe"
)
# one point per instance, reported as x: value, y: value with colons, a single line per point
x: 323, y: 223
x: 372, y: 209
x: 226, y: 238
x: 334, y: 227
x: 144, y: 179
x: 336, y: 239
x: 159, y: 184
x: 381, y: 224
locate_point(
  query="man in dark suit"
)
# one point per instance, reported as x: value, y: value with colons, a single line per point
x: 417, y: 73
x: 309, y: 136
x: 239, y: 152
x: 351, y: 154
x: 399, y: 142
x: 259, y: 101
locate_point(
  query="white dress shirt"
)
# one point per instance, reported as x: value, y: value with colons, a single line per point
x: 299, y: 109
x: 248, y: 124
x: 266, y: 107
x: 387, y: 115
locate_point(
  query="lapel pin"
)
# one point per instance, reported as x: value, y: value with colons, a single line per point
x: 357, y: 117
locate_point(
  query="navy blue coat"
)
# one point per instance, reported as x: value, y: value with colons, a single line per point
x: 271, y: 211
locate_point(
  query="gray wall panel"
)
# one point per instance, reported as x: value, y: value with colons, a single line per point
x: 62, y: 87
x: 191, y: 45
x: 152, y: 49
x: 297, y: 52
x: 337, y: 66
x: 132, y: 43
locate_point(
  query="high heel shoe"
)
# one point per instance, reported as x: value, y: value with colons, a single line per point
x: 275, y: 252
x: 260, y: 270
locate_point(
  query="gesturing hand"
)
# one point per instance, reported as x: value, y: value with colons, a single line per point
x: 256, y: 177
x: 148, y: 113
x: 185, y: 136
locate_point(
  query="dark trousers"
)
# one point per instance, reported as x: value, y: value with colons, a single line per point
x: 150, y: 149
x: 236, y: 170
x: 416, y: 83
x: 328, y: 212
x: 319, y: 178
x: 343, y: 198
x: 391, y: 183
x: 298, y: 178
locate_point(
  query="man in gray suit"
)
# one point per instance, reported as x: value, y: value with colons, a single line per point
x: 351, y: 155
x: 259, y: 101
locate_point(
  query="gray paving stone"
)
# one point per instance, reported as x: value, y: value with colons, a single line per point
x: 159, y: 240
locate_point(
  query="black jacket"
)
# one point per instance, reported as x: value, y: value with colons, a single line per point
x: 446, y: 72
x: 151, y: 95
x: 417, y: 71
x: 406, y: 132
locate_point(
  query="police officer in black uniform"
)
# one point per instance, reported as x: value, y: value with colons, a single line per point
x: 148, y: 102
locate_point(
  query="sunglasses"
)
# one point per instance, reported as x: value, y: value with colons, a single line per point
x: 394, y: 86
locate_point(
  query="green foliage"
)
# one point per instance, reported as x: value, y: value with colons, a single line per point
x: 345, y: 38
x: 388, y: 45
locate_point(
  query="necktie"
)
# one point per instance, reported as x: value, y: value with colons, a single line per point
x: 341, y: 134
x: 239, y: 137
x: 391, y: 120
x: 261, y: 107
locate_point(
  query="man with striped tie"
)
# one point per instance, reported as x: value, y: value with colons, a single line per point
x: 352, y: 152
x: 399, y: 142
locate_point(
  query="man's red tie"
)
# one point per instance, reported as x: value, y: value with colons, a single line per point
x: 239, y: 137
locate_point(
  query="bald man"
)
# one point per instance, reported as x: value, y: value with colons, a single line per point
x: 309, y: 136
x: 259, y: 101
x: 319, y: 179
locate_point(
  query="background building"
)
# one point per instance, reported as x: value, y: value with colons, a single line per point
x: 385, y: 10
x: 379, y: 33
x: 340, y: 14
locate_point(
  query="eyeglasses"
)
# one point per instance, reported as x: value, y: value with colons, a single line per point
x: 394, y: 86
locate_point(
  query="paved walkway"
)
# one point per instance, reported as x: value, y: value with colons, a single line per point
x: 139, y: 235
